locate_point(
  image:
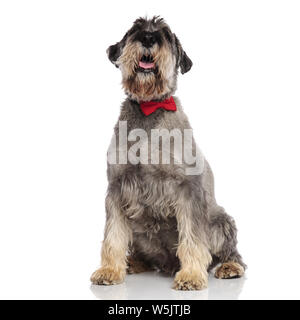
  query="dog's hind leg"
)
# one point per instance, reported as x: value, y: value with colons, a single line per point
x: 223, y: 242
x: 116, y: 239
x: 136, y: 265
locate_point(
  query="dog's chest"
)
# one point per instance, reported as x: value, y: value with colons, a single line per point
x: 148, y: 196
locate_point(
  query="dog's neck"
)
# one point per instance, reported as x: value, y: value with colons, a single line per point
x: 131, y: 112
x: 148, y: 107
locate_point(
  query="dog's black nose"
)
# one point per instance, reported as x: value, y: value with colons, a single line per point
x: 148, y: 39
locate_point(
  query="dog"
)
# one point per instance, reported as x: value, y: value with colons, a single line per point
x: 158, y: 215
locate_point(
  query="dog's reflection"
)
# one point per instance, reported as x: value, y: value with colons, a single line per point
x: 115, y: 292
x: 155, y: 286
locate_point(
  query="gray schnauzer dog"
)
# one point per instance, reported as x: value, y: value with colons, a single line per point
x: 157, y: 216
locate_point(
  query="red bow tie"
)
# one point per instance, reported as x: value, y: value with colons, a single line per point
x: 149, y: 107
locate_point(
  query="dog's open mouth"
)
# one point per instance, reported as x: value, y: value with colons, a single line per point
x: 146, y: 64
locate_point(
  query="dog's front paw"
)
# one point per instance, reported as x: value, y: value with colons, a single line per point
x: 229, y: 270
x: 185, y: 280
x: 107, y: 276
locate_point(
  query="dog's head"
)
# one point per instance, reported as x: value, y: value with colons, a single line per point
x: 149, y: 56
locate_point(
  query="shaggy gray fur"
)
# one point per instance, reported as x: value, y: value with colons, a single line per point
x: 149, y: 195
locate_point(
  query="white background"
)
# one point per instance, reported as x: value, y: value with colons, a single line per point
x: 60, y: 98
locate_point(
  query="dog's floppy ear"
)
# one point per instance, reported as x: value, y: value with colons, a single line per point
x: 114, y: 51
x: 183, y: 61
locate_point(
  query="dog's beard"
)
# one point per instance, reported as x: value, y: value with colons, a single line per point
x: 157, y: 80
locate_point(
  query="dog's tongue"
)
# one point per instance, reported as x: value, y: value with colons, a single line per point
x: 146, y: 65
